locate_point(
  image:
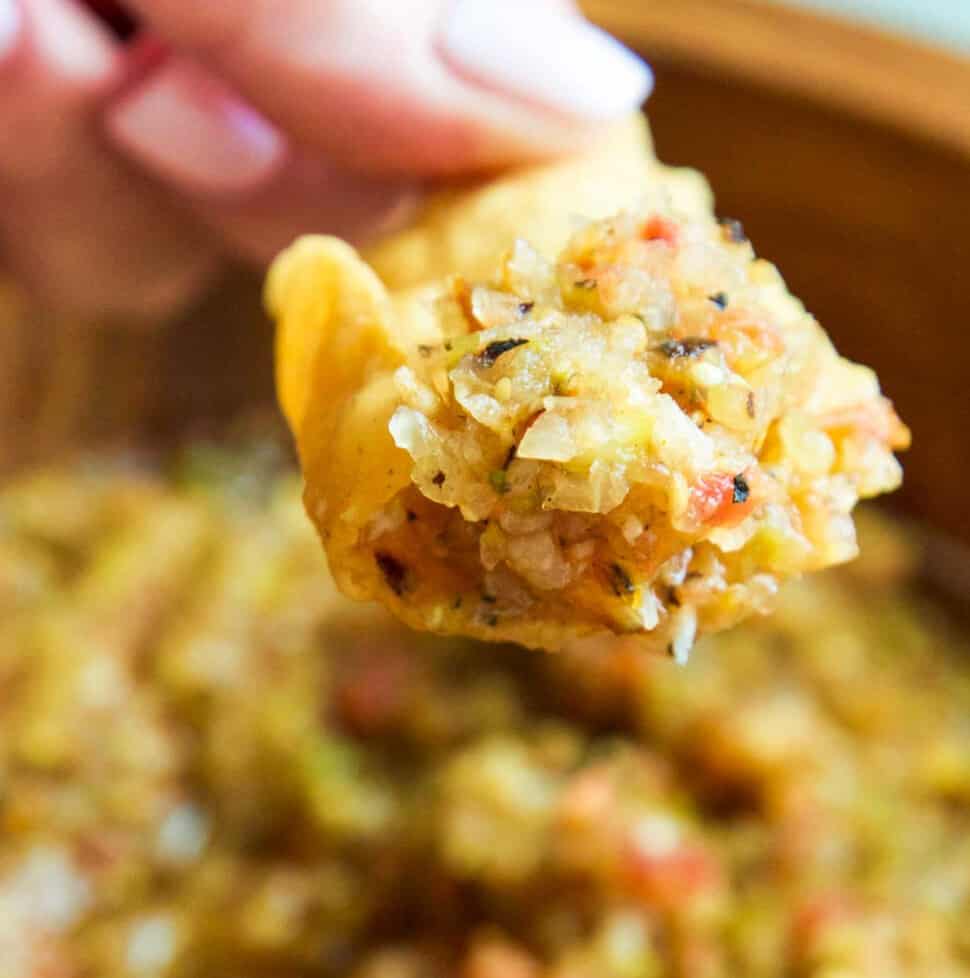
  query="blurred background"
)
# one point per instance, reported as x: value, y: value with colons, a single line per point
x: 943, y: 21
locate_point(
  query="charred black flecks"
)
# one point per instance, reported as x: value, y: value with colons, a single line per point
x: 733, y: 230
x: 491, y: 353
x: 394, y: 571
x: 741, y: 489
x: 691, y: 346
x: 620, y: 581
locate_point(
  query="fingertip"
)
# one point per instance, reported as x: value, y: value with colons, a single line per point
x: 546, y: 55
x: 11, y: 29
x: 313, y: 196
x: 431, y: 87
x: 70, y: 45
x: 56, y: 64
x: 193, y: 131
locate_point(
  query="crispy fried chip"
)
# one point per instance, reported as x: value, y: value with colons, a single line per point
x: 464, y: 231
x: 572, y: 403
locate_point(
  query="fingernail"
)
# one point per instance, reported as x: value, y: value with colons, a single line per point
x: 71, y: 47
x: 192, y: 130
x: 539, y: 51
x: 10, y: 23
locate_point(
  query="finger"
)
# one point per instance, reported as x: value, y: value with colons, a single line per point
x: 71, y: 47
x: 189, y: 128
x: 55, y: 61
x: 310, y: 196
x: 77, y: 225
x: 434, y: 86
x: 97, y: 240
x: 191, y: 131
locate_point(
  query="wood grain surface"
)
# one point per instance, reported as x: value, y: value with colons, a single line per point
x: 867, y: 73
x: 845, y: 152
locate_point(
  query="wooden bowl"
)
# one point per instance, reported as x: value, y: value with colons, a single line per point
x: 845, y: 152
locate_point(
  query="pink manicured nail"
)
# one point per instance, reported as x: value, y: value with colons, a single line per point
x: 10, y: 24
x: 192, y: 130
x: 542, y: 52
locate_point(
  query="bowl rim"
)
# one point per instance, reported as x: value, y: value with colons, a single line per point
x: 865, y: 71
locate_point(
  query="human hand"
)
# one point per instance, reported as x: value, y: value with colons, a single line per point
x: 129, y: 173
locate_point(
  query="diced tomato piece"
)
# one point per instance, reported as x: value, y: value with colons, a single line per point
x: 698, y: 956
x: 818, y: 915
x: 49, y: 958
x: 669, y: 879
x: 711, y: 496
x: 660, y: 229
x: 712, y: 501
x: 588, y: 798
x: 373, y: 694
x: 99, y: 852
x: 747, y: 339
x: 500, y: 959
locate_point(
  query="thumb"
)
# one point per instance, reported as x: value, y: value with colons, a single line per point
x: 431, y: 86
